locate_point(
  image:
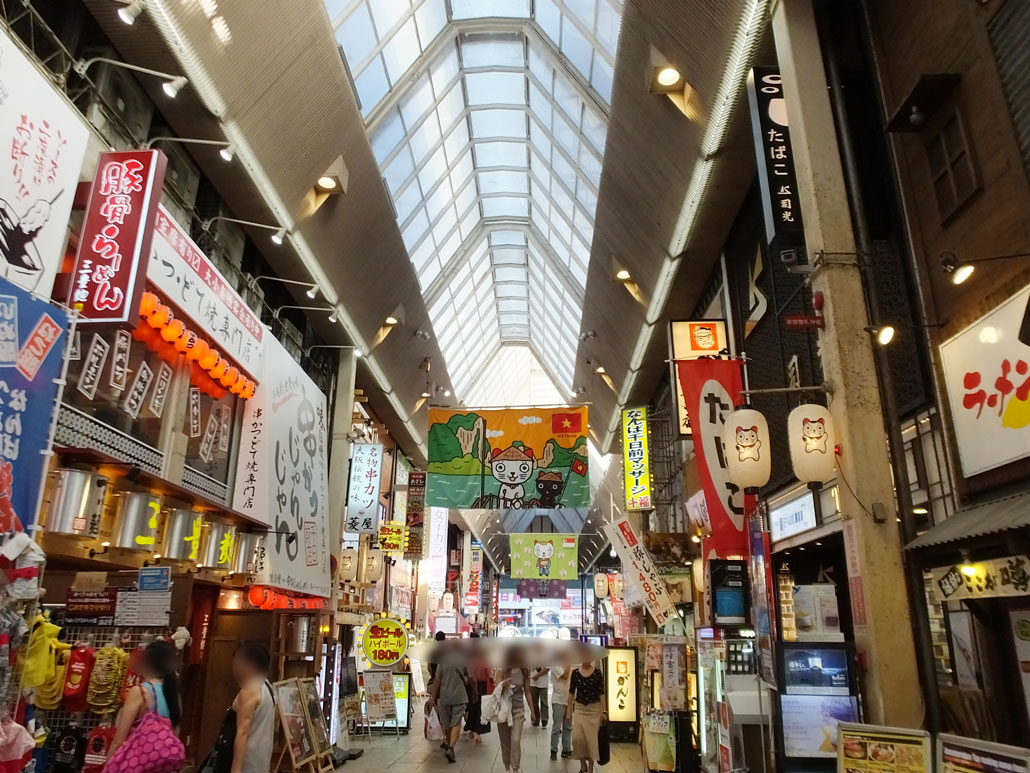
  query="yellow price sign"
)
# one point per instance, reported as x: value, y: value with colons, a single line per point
x: 384, y: 642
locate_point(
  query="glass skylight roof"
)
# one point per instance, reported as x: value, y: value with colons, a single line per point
x: 490, y: 136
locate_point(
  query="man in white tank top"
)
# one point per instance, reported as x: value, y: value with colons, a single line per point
x: 255, y: 710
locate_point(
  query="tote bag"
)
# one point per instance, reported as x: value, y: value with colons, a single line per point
x: 152, y: 747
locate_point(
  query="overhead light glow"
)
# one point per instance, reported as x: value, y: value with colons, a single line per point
x: 968, y: 569
x: 695, y: 538
x: 174, y: 86
x: 227, y: 153
x: 312, y: 292
x: 279, y: 236
x: 920, y: 510
x: 622, y: 275
x: 129, y: 13
x: 326, y: 183
x: 600, y: 369
x: 612, y: 553
x: 885, y: 335
x: 391, y: 320
x: 668, y: 76
x: 962, y: 273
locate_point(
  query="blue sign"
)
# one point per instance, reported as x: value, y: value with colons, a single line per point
x: 33, y: 335
x: 155, y: 578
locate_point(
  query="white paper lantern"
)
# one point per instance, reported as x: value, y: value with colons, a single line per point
x: 348, y: 565
x: 617, y: 586
x: 374, y: 565
x: 600, y: 585
x: 812, y: 443
x: 447, y: 603
x: 745, y: 438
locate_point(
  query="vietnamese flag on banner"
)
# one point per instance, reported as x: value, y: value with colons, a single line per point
x: 566, y: 423
x: 712, y: 388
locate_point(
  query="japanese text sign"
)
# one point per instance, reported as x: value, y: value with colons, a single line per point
x: 416, y: 505
x: 114, y: 247
x: 436, y: 575
x: 43, y: 139
x: 188, y: 279
x: 635, y: 459
x: 987, y: 376
x: 391, y: 537
x: 384, y: 642
x: 282, y: 474
x: 688, y: 340
x: 776, y: 175
x: 32, y: 339
x: 366, y: 470
x: 639, y: 569
x: 1009, y: 576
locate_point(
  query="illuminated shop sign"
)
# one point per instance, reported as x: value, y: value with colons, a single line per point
x: 635, y: 459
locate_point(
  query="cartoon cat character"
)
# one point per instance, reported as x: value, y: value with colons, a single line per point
x: 814, y: 435
x: 747, y: 443
x: 543, y: 552
x: 511, y: 468
x: 549, y: 486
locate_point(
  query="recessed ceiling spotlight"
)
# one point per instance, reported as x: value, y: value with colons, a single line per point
x: 391, y: 320
x: 668, y: 76
x: 327, y: 184
x: 622, y: 275
x: 129, y: 13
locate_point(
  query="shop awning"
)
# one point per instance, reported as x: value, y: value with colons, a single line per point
x: 993, y: 517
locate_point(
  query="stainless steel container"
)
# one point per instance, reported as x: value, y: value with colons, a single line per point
x: 247, y: 546
x: 138, y: 521
x: 220, y: 548
x: 298, y: 633
x: 184, y: 536
x: 77, y: 504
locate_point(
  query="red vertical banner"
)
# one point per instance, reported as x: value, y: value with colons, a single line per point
x: 711, y: 389
x: 114, y: 246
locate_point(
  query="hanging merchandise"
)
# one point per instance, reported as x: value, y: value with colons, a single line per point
x: 41, y: 654
x: 77, y: 677
x: 813, y: 443
x: 132, y: 672
x: 97, y: 746
x: 745, y: 439
x: 105, y: 683
x: 16, y: 745
x: 68, y: 749
x: 48, y: 694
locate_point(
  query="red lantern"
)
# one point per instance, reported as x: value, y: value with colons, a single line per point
x: 237, y: 388
x: 148, y: 303
x: 160, y: 317
x: 219, y: 369
x: 229, y: 377
x: 199, y: 350
x: 248, y: 390
x: 173, y: 331
x: 209, y: 360
x: 256, y: 594
x: 184, y: 343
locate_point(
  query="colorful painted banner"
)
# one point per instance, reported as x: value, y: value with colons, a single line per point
x: 44, y: 139
x: 33, y: 335
x: 639, y: 569
x: 544, y: 556
x: 636, y: 462
x: 282, y: 474
x: 366, y: 472
x: 416, y: 505
x: 117, y: 230
x: 508, y: 459
x: 712, y: 388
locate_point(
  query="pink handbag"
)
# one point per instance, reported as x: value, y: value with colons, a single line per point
x: 152, y: 747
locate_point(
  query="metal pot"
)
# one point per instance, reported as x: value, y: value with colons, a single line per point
x: 220, y: 548
x: 299, y: 633
x: 184, y: 536
x: 77, y: 504
x: 247, y: 546
x: 138, y: 521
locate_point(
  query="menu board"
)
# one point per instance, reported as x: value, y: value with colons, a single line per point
x: 956, y: 754
x: 401, y: 700
x: 293, y: 715
x: 316, y: 719
x: 871, y: 748
x: 379, y: 699
x: 811, y: 722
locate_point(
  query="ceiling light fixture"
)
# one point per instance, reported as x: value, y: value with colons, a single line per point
x: 622, y: 275
x: 227, y: 152
x: 391, y: 320
x: 334, y: 316
x: 961, y: 270
x: 172, y: 86
x: 920, y: 510
x: 600, y: 369
x: 695, y: 538
x: 968, y: 568
x: 612, y: 553
x: 668, y: 76
x: 884, y: 334
x: 129, y: 13
x: 327, y: 184
x: 312, y: 292
x: 279, y: 236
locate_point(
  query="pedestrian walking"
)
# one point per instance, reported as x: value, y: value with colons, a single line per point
x: 561, y: 717
x: 586, y: 703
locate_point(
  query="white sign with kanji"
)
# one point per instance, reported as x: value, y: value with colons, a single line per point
x: 366, y: 471
x: 987, y: 374
x: 639, y: 569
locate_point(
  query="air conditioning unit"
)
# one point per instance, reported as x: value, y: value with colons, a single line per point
x: 123, y: 95
x: 182, y: 175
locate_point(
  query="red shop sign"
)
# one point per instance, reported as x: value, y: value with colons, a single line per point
x: 114, y: 247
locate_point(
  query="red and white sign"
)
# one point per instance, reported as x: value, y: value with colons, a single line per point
x: 43, y: 139
x: 987, y: 374
x: 114, y: 248
x: 184, y: 275
x: 38, y: 345
x: 639, y: 570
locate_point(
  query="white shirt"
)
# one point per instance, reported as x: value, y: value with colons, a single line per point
x: 559, y: 686
x: 538, y: 679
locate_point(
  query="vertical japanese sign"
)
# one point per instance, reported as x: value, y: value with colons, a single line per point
x: 366, y: 470
x: 712, y: 389
x: 776, y: 175
x: 762, y: 605
x: 639, y: 569
x: 688, y: 340
x: 117, y: 229
x: 32, y: 339
x: 416, y: 499
x: 43, y: 140
x: 436, y: 576
x: 635, y: 459
x: 282, y: 473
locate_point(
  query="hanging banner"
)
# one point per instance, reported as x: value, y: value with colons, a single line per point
x: 636, y: 462
x: 33, y: 335
x: 281, y: 473
x: 416, y: 505
x: 712, y: 389
x: 1009, y: 576
x: 117, y: 230
x: 544, y: 556
x: 436, y: 574
x: 391, y: 537
x: 366, y: 472
x: 508, y: 459
x: 688, y: 340
x: 44, y: 139
x: 184, y: 275
x: 986, y: 374
x: 640, y: 570
x: 762, y: 605
x: 413, y: 547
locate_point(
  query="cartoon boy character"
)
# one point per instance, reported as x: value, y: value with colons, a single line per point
x: 543, y: 552
x: 549, y: 486
x: 511, y: 468
x: 704, y: 338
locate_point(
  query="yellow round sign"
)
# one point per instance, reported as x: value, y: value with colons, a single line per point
x: 384, y: 642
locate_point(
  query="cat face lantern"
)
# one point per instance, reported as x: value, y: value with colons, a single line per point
x: 812, y: 443
x: 745, y: 438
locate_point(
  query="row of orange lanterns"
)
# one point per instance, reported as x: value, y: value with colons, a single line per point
x: 264, y: 597
x: 169, y: 338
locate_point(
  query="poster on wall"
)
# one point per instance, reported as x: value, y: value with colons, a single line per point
x: 366, y: 472
x: 956, y: 754
x: 44, y: 140
x: 33, y: 335
x: 281, y: 475
x: 544, y: 556
x: 986, y: 376
x: 688, y: 340
x: 508, y: 459
x: 867, y: 748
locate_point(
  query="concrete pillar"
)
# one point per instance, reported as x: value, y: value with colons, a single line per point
x: 883, y: 628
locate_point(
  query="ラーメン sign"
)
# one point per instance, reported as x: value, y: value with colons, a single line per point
x: 635, y: 459
x: 384, y: 642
